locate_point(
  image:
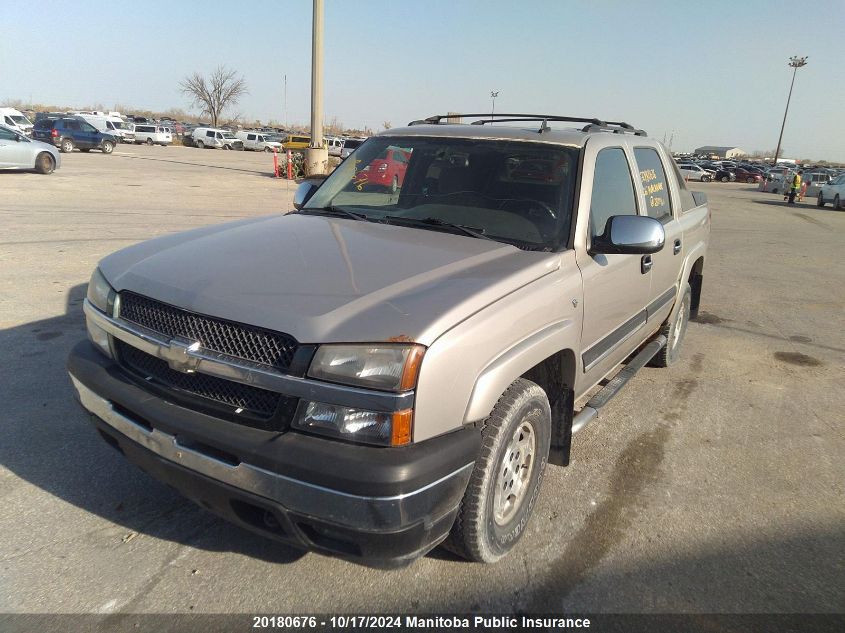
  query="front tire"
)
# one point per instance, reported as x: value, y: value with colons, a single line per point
x: 200, y: 145
x: 725, y: 179
x: 506, y: 479
x: 44, y: 163
x: 674, y: 331
x: 150, y: 142
x: 705, y: 179
x: 750, y: 181
x: 107, y: 148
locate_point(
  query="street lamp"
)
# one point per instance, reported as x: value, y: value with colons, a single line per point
x: 795, y: 63
x: 493, y: 95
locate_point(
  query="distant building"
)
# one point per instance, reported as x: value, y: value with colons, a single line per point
x: 721, y: 152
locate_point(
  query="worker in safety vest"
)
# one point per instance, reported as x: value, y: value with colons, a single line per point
x: 796, y: 186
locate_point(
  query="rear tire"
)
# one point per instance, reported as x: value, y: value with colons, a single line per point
x: 820, y: 201
x: 44, y: 163
x: 750, y: 180
x: 705, y: 179
x: 67, y: 145
x: 150, y: 141
x: 674, y: 331
x: 507, y: 475
x: 836, y: 203
x: 200, y: 145
x: 725, y: 179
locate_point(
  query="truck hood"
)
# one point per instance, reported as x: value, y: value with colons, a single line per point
x: 323, y: 279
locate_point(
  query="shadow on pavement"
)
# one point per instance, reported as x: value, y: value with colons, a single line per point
x: 49, y: 442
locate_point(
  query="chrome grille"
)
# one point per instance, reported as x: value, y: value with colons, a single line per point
x: 243, y: 341
x: 259, y: 402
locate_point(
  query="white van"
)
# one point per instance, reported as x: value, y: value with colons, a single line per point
x: 335, y: 144
x: 256, y: 141
x: 113, y: 125
x: 213, y: 138
x: 16, y: 120
x: 152, y: 134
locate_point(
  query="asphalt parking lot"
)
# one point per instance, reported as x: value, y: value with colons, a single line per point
x: 714, y: 486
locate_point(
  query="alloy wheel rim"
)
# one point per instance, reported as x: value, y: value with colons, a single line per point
x: 679, y: 325
x: 514, y: 473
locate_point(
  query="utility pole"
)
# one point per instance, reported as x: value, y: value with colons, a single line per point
x: 493, y: 95
x: 316, y: 157
x: 286, y: 103
x: 795, y: 63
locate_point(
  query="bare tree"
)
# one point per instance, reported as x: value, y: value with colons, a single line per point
x: 223, y: 88
x: 387, y: 125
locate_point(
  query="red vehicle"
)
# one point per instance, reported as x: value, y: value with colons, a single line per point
x: 745, y: 175
x: 388, y: 170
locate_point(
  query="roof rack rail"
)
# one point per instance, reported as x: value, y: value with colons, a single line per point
x: 593, y: 124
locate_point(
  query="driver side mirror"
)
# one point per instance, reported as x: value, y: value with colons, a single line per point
x: 630, y: 234
x: 303, y: 193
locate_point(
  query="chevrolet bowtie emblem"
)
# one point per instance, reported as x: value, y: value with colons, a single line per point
x: 178, y: 355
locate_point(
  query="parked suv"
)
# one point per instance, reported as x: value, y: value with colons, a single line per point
x: 377, y: 373
x: 214, y: 138
x: 69, y: 132
x: 258, y: 141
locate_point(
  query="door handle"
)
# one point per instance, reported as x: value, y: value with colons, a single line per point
x: 677, y: 248
x: 646, y: 264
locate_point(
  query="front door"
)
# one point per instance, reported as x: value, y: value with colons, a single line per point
x: 13, y: 152
x: 616, y: 286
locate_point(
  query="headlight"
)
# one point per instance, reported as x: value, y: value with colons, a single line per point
x: 385, y: 367
x: 368, y: 427
x: 102, y: 296
x: 100, y: 293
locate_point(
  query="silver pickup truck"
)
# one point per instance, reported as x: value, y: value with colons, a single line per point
x: 392, y: 367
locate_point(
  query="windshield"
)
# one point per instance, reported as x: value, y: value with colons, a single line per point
x: 119, y: 125
x: 20, y: 120
x: 520, y: 193
x: 229, y: 135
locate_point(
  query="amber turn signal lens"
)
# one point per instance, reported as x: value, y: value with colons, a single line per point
x: 412, y: 368
x: 401, y: 427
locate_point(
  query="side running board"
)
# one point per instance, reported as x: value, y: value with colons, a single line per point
x: 591, y: 409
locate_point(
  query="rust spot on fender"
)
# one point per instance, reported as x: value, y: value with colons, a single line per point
x: 401, y: 338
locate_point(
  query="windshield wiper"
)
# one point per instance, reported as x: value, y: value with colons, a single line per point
x: 466, y: 230
x: 335, y: 210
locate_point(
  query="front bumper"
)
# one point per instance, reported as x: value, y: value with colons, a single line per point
x: 382, y: 507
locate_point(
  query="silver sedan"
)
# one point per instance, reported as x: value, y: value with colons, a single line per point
x: 21, y: 152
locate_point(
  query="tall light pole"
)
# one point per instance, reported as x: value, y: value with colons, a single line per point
x: 493, y: 95
x: 795, y: 63
x: 316, y: 157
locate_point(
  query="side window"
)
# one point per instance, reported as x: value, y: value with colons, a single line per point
x: 613, y: 189
x: 72, y: 125
x: 9, y: 121
x: 210, y: 134
x: 687, y: 200
x: 7, y: 135
x: 250, y: 137
x: 653, y: 178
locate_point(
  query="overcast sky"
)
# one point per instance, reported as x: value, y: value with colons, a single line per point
x: 706, y: 72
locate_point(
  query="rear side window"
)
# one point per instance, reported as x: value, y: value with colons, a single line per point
x: 613, y: 189
x: 655, y: 187
x: 687, y: 200
x: 210, y: 134
x: 250, y: 137
x: 71, y: 125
